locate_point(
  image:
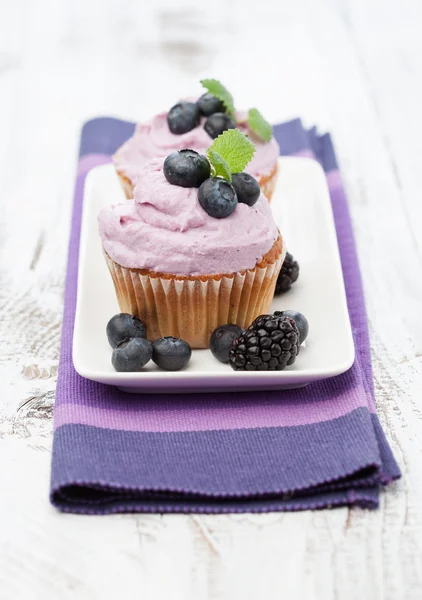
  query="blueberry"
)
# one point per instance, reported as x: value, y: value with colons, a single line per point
x: 221, y: 340
x: 209, y: 104
x: 247, y: 188
x: 217, y: 123
x: 186, y: 168
x: 122, y: 327
x: 300, y: 320
x: 217, y: 197
x: 171, y: 353
x: 132, y: 355
x: 183, y: 117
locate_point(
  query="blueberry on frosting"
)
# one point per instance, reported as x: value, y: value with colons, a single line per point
x: 247, y: 188
x: 219, y: 176
x: 217, y: 197
x: 183, y: 117
x: 186, y: 168
x: 209, y: 104
x: 217, y: 123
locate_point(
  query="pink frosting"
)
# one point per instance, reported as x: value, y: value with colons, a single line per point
x: 165, y: 229
x: 154, y: 138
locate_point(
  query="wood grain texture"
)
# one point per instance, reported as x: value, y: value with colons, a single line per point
x: 352, y: 66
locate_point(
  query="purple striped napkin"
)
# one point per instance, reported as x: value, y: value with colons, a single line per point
x: 316, y: 447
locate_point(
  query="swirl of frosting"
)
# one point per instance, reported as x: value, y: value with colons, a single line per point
x: 154, y: 139
x: 266, y: 153
x: 164, y: 229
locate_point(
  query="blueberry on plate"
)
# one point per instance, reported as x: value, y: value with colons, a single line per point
x: 186, y: 168
x: 221, y: 341
x: 300, y: 320
x: 183, y: 117
x: 247, y: 188
x: 288, y: 274
x: 131, y: 355
x: 209, y: 104
x: 170, y: 353
x: 122, y: 327
x: 217, y: 123
x: 217, y: 197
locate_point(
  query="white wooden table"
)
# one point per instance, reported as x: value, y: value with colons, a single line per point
x: 351, y: 66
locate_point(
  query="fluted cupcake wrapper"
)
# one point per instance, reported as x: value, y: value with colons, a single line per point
x: 191, y: 308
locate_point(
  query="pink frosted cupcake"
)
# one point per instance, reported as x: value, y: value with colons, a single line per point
x: 193, y: 125
x: 182, y: 270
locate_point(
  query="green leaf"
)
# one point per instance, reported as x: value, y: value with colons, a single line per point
x: 220, y: 166
x: 259, y: 125
x: 235, y: 148
x: 217, y: 89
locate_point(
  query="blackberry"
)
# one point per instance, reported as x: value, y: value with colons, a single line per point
x: 288, y: 274
x: 270, y: 344
x: 300, y: 320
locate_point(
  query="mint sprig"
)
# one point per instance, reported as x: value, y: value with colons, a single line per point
x: 259, y: 125
x: 217, y: 89
x: 219, y: 166
x: 229, y: 153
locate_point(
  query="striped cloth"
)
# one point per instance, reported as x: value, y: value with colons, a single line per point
x: 315, y: 447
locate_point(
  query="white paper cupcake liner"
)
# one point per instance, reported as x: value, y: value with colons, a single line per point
x: 191, y: 308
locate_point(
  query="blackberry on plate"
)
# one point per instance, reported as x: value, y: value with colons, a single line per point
x: 217, y: 123
x: 217, y: 197
x: 288, y: 274
x: 123, y: 327
x: 170, y: 353
x: 300, y: 320
x: 209, y: 104
x: 271, y: 343
x: 221, y: 340
x: 186, y: 168
x: 183, y: 117
x: 247, y: 188
x: 131, y: 355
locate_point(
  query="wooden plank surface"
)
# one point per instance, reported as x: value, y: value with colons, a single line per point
x: 354, y: 67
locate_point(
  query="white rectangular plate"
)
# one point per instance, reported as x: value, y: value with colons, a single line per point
x: 302, y: 209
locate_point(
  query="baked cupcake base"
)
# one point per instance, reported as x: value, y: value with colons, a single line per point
x: 267, y: 183
x: 126, y: 184
x: 192, y: 307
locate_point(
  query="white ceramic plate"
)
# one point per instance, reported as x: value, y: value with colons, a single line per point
x: 302, y: 209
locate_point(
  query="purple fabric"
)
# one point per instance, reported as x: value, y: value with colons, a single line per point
x: 316, y: 447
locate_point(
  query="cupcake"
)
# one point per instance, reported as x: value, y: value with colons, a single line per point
x: 193, y: 125
x: 188, y: 257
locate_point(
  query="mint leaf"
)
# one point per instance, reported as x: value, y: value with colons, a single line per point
x: 220, y: 167
x: 217, y: 89
x: 235, y: 148
x: 259, y: 125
